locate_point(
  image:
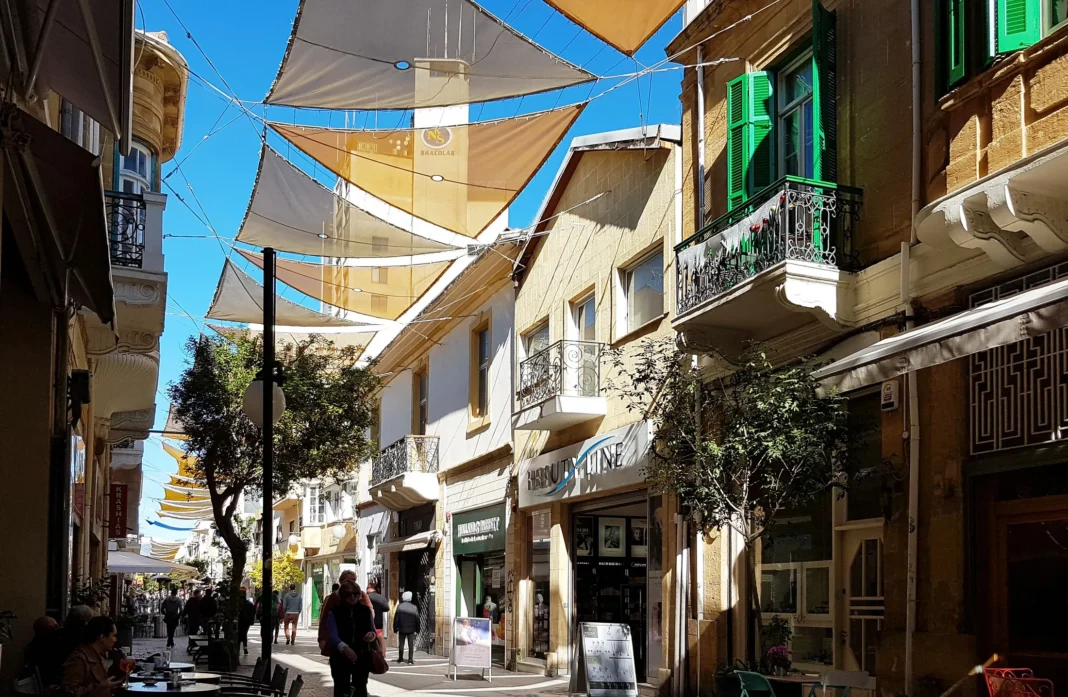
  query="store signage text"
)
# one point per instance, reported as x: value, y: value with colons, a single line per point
x: 602, y: 456
x: 478, y: 531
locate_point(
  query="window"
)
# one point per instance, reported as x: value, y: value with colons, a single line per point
x: 478, y: 383
x: 315, y: 506
x: 135, y: 170
x: 80, y: 128
x: 335, y: 505
x: 536, y: 340
x: 644, y: 288
x: 795, y: 119
x: 483, y: 371
x: 584, y: 319
x: 422, y: 402
x: 379, y: 245
x: 376, y: 426
x: 380, y: 274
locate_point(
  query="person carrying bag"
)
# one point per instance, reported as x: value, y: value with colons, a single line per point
x: 353, y: 643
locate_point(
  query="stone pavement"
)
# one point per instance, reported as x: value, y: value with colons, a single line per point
x: 429, y: 677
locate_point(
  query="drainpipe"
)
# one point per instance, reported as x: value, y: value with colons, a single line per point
x: 699, y: 214
x: 913, y: 432
x: 700, y: 542
x: 676, y: 671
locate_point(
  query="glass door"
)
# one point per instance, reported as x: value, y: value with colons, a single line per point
x: 863, y: 604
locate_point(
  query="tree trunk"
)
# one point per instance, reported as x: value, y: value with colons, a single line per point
x: 233, y: 602
x: 755, y: 647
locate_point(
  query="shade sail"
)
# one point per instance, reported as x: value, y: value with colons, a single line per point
x: 239, y: 298
x: 342, y: 337
x: 204, y: 514
x: 624, y: 24
x: 292, y: 212
x: 185, y: 506
x: 383, y: 292
x: 186, y: 462
x: 459, y: 177
x: 384, y: 54
x: 186, y: 495
x: 1029, y: 314
x: 173, y: 428
x: 131, y: 563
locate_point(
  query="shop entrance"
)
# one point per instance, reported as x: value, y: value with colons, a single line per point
x: 417, y: 576
x: 480, y: 590
x: 610, y: 548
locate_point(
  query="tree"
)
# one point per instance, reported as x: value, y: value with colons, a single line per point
x: 739, y: 449
x: 201, y: 566
x: 322, y: 433
x: 284, y: 569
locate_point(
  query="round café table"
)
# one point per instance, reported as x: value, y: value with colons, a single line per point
x: 201, y: 689
x: 194, y: 676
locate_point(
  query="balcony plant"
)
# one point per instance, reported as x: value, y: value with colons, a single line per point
x: 329, y: 411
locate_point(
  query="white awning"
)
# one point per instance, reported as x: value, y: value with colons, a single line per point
x: 131, y: 563
x: 1029, y: 314
x: 239, y: 298
x: 412, y: 543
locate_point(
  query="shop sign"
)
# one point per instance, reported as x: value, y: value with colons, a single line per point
x: 482, y: 530
x: 117, y: 519
x: 471, y: 644
x: 609, y: 461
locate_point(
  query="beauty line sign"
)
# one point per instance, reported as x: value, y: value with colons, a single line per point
x: 606, y: 462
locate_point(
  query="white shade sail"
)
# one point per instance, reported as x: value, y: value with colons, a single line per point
x: 131, y: 563
x: 239, y: 298
x: 386, y: 54
x: 292, y: 212
x: 341, y: 337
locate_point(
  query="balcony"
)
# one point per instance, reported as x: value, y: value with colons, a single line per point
x: 559, y: 387
x: 778, y: 264
x: 404, y: 474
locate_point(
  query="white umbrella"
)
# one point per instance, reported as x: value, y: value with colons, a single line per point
x: 131, y: 563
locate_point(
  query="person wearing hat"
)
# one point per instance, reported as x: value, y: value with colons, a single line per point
x: 406, y: 625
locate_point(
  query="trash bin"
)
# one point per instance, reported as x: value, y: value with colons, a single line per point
x: 160, y: 631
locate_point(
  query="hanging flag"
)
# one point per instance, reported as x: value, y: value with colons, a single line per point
x: 624, y: 24
x: 169, y: 527
x: 461, y: 178
x: 385, y: 54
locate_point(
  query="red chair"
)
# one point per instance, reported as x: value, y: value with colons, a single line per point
x: 1016, y: 682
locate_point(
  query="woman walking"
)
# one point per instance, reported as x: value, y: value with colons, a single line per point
x: 351, y: 630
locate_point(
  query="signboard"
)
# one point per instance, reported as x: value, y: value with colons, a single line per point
x: 117, y: 518
x: 471, y: 644
x: 482, y: 530
x: 612, y: 460
x: 606, y: 662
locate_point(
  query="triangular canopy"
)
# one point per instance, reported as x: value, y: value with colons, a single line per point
x: 186, y: 462
x: 132, y: 563
x: 199, y: 514
x: 625, y: 24
x: 239, y: 298
x: 386, y: 54
x: 292, y: 212
x: 458, y: 177
x: 341, y: 337
x: 185, y: 495
x: 385, y: 292
x: 185, y: 506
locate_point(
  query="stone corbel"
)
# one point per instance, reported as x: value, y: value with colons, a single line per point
x: 822, y: 291
x: 1043, y: 219
x: 974, y: 228
x: 102, y: 341
x: 131, y: 425
x: 138, y: 293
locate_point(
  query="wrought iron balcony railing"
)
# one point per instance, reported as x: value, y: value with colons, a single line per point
x: 409, y: 454
x: 566, y: 368
x: 126, y: 228
x: 793, y: 220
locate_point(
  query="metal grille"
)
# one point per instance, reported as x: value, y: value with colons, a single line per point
x: 409, y: 454
x: 1019, y: 392
x: 126, y: 228
x: 566, y: 368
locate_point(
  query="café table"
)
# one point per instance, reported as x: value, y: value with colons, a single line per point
x: 202, y: 689
x: 194, y: 676
x: 795, y: 685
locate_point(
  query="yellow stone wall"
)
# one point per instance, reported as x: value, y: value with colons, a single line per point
x: 159, y: 87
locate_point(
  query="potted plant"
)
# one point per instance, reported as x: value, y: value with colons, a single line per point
x: 125, y: 624
x: 776, y: 640
x: 5, y: 629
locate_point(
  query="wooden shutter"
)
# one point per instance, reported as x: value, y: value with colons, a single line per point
x: 759, y: 136
x: 953, y: 41
x: 824, y: 94
x: 1019, y: 24
x: 737, y: 152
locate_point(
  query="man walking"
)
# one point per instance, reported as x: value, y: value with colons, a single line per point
x: 171, y: 607
x: 380, y: 605
x: 192, y: 613
x: 406, y: 625
x: 291, y: 604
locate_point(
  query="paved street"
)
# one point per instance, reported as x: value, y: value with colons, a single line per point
x: 427, y: 677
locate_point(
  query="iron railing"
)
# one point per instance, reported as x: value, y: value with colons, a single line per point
x: 409, y: 454
x: 793, y: 220
x: 566, y: 368
x: 126, y: 228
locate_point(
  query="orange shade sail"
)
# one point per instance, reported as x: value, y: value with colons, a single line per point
x: 623, y: 24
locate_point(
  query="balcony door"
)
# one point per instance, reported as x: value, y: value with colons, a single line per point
x: 578, y: 356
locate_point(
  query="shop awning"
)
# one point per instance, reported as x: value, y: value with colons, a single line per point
x: 54, y: 197
x: 412, y: 543
x: 1028, y: 314
x: 132, y: 563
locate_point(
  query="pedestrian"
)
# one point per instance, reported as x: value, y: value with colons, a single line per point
x: 380, y: 605
x: 192, y: 613
x: 277, y: 619
x: 351, y: 638
x: 171, y: 607
x: 292, y: 604
x: 84, y: 673
x: 329, y: 604
x: 406, y: 625
x: 246, y: 615
x: 209, y: 607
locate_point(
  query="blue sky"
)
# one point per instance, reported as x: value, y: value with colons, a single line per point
x: 214, y: 173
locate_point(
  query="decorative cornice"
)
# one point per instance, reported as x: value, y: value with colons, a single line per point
x: 131, y: 424
x: 138, y: 292
x: 102, y: 341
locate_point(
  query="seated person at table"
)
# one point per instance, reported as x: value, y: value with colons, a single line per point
x: 84, y: 672
x: 58, y: 645
x: 42, y: 645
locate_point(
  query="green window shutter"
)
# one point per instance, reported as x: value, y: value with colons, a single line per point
x: 824, y: 93
x: 737, y: 152
x: 1019, y: 24
x: 953, y: 41
x: 759, y: 136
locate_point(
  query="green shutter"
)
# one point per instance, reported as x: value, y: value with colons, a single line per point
x: 824, y: 94
x: 1019, y: 24
x: 953, y: 42
x: 759, y: 137
x: 737, y: 152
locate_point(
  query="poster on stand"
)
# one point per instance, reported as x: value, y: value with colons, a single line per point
x: 472, y: 644
x: 606, y: 662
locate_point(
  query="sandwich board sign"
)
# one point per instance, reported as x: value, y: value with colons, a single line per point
x: 605, y: 662
x: 472, y: 645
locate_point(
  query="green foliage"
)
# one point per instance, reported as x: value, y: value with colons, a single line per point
x: 777, y: 632
x: 201, y: 565
x: 284, y: 571
x: 91, y: 593
x: 322, y: 433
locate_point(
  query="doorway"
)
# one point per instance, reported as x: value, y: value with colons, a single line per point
x: 417, y: 576
x: 479, y: 592
x: 863, y: 603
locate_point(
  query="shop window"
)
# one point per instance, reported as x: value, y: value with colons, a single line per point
x: 539, y: 525
x: 864, y: 496
x: 643, y: 288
